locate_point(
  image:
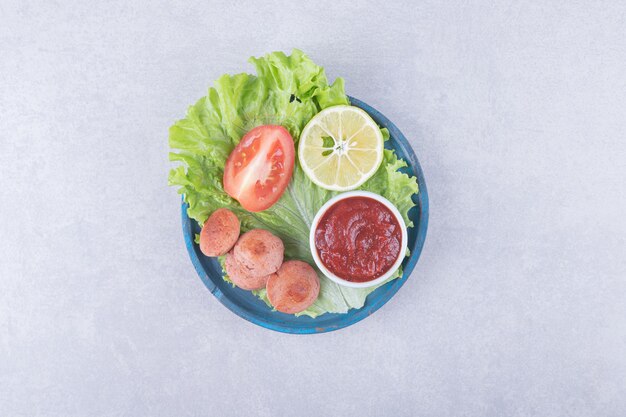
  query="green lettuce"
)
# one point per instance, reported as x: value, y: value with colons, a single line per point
x: 288, y: 91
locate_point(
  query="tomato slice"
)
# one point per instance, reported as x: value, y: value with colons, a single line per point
x: 259, y: 168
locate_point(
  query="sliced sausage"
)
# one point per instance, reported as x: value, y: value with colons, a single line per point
x: 219, y: 233
x: 293, y: 288
x: 241, y: 278
x: 259, y: 252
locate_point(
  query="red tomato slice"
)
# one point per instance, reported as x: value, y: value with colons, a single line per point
x: 259, y: 168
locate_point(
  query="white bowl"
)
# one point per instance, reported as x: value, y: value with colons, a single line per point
x: 403, y: 244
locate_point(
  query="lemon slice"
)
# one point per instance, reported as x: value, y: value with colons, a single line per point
x: 340, y: 148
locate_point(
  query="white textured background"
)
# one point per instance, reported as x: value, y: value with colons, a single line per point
x: 517, y: 112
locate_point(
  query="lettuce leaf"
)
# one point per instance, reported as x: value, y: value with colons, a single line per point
x: 289, y: 91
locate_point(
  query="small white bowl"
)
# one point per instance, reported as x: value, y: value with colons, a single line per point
x: 340, y: 280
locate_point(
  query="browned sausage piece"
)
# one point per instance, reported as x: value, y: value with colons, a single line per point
x: 293, y: 288
x: 259, y: 252
x: 219, y: 233
x: 240, y: 277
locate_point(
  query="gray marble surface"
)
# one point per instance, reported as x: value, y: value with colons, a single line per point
x: 517, y: 111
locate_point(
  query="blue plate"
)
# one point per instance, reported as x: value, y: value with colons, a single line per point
x: 246, y: 305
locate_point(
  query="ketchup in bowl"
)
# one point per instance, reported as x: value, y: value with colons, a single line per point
x: 359, y: 239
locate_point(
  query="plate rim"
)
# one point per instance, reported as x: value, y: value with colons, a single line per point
x: 393, y: 286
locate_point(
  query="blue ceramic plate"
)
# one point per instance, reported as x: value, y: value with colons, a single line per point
x: 246, y: 305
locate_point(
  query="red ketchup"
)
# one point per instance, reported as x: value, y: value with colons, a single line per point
x: 358, y: 239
